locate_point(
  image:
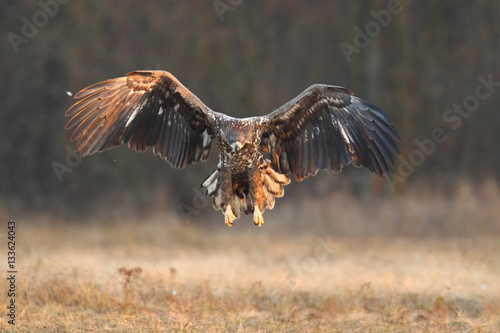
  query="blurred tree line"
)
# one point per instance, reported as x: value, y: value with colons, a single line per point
x: 418, y: 60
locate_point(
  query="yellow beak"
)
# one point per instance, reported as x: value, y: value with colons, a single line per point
x: 235, y: 146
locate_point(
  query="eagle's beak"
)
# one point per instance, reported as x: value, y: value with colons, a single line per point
x: 235, y: 146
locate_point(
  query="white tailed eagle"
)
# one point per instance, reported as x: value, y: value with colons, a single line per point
x: 325, y: 127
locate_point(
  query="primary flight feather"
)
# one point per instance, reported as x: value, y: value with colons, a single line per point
x: 325, y: 127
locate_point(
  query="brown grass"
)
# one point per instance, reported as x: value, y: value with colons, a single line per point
x: 157, y: 274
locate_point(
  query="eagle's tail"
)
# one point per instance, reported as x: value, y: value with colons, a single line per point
x: 243, y: 201
x: 273, y: 184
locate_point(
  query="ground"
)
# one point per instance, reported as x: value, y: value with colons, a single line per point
x: 160, y: 274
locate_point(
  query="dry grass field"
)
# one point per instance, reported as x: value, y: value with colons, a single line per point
x: 127, y: 273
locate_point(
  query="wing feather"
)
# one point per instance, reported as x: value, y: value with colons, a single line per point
x: 171, y: 155
x: 323, y: 125
x: 326, y: 127
x: 143, y: 109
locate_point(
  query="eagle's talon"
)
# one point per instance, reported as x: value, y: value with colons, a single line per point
x: 229, y: 216
x: 257, y: 217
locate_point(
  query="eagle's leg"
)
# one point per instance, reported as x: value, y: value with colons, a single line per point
x: 257, y: 192
x: 226, y: 188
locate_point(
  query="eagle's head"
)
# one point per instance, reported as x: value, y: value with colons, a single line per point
x: 239, y: 134
x: 236, y: 140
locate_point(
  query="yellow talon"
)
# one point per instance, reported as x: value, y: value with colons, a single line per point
x: 229, y: 216
x: 257, y: 217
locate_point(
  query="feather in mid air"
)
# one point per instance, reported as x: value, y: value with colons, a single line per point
x: 325, y: 127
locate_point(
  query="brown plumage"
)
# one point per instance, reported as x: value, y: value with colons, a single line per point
x: 325, y: 127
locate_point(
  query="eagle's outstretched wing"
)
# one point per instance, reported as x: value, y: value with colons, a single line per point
x: 326, y: 127
x: 144, y: 109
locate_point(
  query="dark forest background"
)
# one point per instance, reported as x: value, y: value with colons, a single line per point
x: 421, y: 64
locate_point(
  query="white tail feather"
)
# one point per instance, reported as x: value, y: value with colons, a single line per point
x: 211, y: 184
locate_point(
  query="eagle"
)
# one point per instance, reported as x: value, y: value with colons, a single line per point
x: 325, y: 127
